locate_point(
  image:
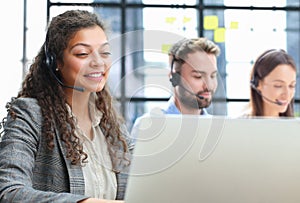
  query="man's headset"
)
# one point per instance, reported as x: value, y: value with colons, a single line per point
x: 175, y: 78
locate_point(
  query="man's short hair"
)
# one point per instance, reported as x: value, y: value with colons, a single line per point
x: 182, y: 48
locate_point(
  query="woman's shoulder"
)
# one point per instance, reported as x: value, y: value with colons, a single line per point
x: 27, y: 101
x: 28, y: 107
x: 24, y: 114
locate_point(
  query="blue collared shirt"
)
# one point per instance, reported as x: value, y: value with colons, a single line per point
x: 171, y: 108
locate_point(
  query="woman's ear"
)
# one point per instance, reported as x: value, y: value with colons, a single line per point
x: 60, y: 65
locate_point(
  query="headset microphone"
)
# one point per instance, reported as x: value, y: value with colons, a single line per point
x: 80, y: 89
x: 269, y: 100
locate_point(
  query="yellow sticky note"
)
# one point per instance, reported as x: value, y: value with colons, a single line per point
x: 234, y: 25
x: 165, y: 48
x: 186, y: 19
x: 211, y: 22
x: 170, y: 20
x: 219, y: 35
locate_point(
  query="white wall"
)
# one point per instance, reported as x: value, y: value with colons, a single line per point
x: 11, y: 40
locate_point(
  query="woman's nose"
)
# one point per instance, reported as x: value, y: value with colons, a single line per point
x: 97, y: 60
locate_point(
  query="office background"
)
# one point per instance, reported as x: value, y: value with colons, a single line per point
x: 141, y: 33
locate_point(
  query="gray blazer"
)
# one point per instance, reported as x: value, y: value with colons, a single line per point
x: 29, y: 171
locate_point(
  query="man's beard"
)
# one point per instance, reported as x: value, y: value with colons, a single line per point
x: 192, y: 101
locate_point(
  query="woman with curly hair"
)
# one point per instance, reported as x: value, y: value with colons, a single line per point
x: 63, y: 141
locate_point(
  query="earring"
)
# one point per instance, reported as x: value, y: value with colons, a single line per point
x: 57, y: 69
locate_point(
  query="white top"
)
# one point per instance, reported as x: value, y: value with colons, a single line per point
x: 100, y: 181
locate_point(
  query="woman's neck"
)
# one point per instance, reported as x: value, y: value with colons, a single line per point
x: 79, y: 103
x: 270, y: 113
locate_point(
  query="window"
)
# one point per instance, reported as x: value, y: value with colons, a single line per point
x: 143, y: 30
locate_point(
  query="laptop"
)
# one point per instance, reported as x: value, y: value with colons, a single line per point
x: 183, y: 158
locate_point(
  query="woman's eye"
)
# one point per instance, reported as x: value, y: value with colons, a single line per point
x: 82, y: 54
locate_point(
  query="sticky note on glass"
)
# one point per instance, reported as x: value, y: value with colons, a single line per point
x: 234, y: 25
x: 165, y: 48
x: 219, y: 35
x: 186, y: 19
x: 211, y: 22
x: 170, y: 20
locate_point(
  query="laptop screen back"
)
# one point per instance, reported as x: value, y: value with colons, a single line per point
x: 181, y: 158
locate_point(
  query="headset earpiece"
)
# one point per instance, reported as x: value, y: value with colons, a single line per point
x: 50, y: 59
x: 254, y: 81
x: 175, y: 79
x: 175, y: 76
x: 51, y: 62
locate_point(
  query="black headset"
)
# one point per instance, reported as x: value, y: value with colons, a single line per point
x: 50, y: 58
x: 175, y: 76
x: 267, y: 53
x: 254, y: 84
x: 254, y: 80
x: 50, y: 62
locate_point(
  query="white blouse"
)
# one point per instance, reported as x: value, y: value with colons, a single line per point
x: 99, y: 178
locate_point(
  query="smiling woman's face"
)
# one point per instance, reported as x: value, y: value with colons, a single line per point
x: 278, y: 85
x: 86, y: 60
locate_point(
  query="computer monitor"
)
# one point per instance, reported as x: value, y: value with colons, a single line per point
x: 184, y: 158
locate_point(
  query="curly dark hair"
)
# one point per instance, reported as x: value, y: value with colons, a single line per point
x: 40, y: 83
